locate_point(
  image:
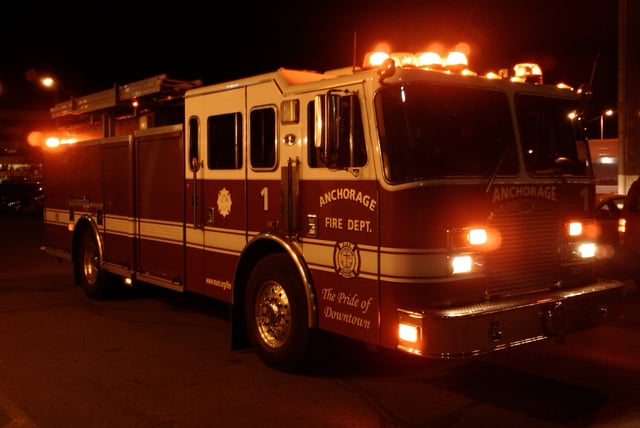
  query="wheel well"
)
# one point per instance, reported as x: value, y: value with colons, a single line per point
x: 254, y: 252
x: 83, y: 225
x: 250, y: 256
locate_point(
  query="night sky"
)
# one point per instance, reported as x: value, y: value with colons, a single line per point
x: 91, y: 47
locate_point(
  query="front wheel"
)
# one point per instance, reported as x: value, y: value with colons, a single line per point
x: 276, y: 313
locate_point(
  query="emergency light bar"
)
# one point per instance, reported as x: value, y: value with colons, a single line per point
x: 426, y: 60
x: 455, y: 61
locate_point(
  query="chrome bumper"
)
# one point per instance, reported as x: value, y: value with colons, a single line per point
x: 476, y: 329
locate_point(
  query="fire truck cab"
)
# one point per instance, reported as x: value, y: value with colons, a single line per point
x: 411, y: 205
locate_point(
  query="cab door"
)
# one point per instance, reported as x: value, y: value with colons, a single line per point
x: 339, y: 214
x: 265, y: 158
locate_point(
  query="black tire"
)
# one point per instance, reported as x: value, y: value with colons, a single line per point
x: 89, y: 270
x: 276, y: 314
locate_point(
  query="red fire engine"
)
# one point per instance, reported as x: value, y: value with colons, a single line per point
x: 407, y: 203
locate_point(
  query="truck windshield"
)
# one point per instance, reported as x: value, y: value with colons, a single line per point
x: 430, y: 130
x: 552, y: 140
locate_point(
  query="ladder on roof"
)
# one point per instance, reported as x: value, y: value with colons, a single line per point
x: 161, y: 86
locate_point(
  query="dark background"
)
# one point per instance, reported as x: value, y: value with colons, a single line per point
x: 89, y: 47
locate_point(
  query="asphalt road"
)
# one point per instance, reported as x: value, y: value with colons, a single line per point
x: 155, y: 358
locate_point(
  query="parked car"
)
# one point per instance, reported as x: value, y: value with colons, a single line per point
x: 20, y: 196
x: 629, y: 232
x: 607, y: 211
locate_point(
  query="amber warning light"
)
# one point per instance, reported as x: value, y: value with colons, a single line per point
x: 40, y: 139
x: 455, y: 61
x: 582, y: 235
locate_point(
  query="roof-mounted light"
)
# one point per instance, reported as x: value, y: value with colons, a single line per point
x: 404, y: 59
x: 528, y: 72
x: 562, y: 85
x: 455, y: 61
x: 374, y: 59
x: 429, y: 60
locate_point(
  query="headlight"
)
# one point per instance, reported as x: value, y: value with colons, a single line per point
x: 587, y: 249
x: 461, y: 264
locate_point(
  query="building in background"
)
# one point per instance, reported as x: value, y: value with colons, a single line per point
x: 19, y: 158
x: 604, y: 154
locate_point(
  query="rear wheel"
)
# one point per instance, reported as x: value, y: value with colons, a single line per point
x: 276, y: 313
x: 89, y: 268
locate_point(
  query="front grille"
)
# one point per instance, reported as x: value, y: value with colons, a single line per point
x: 528, y: 258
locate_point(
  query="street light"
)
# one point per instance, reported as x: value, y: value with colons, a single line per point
x: 607, y: 112
x: 51, y: 83
x: 47, y: 81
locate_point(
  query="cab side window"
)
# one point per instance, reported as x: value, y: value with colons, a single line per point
x: 352, y: 147
x: 263, y: 139
x: 224, y: 141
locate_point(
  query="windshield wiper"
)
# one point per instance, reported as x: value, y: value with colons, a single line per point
x: 496, y: 169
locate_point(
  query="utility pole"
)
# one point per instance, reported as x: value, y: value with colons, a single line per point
x: 628, y: 93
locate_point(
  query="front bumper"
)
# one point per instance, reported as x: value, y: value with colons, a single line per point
x: 476, y: 329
